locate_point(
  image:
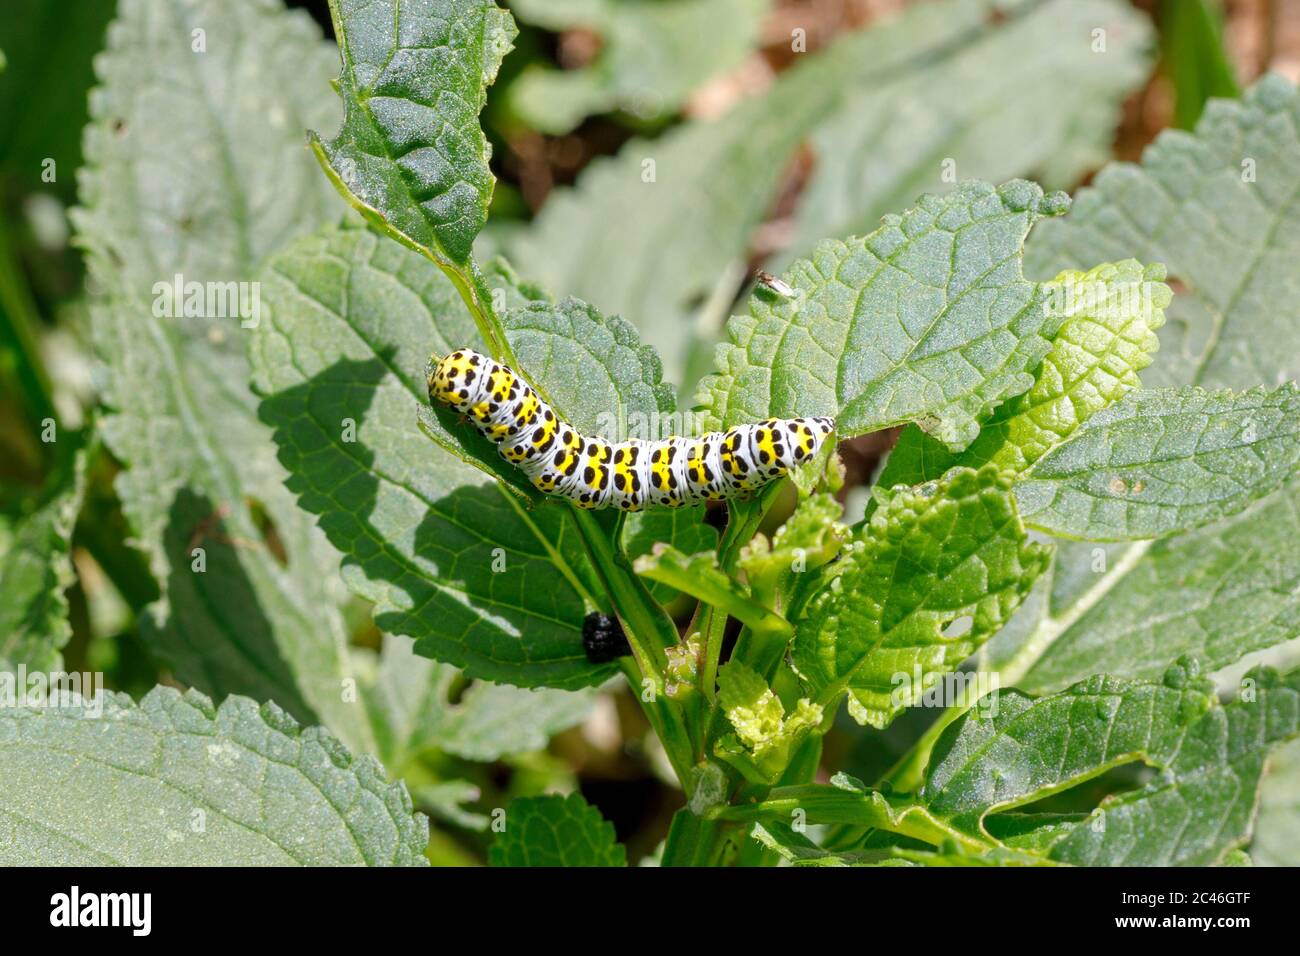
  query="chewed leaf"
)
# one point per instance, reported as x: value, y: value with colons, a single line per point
x: 1107, y: 336
x: 764, y: 731
x: 928, y: 319
x: 934, y: 574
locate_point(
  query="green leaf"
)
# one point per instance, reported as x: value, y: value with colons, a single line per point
x: 1194, y: 807
x: 1203, y: 804
x: 1016, y: 749
x: 556, y: 831
x: 1221, y: 209
x: 195, y: 168
x: 923, y: 86
x: 652, y: 56
x: 482, y: 578
x: 934, y: 574
x: 1277, y: 831
x: 1218, y: 593
x: 928, y: 319
x: 1164, y: 461
x: 419, y: 706
x: 411, y: 155
x: 175, y: 781
x: 684, y: 527
x: 1105, y: 339
x: 849, y: 801
x: 340, y: 361
x: 35, y: 570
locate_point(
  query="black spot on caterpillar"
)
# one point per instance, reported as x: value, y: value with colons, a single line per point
x: 631, y: 475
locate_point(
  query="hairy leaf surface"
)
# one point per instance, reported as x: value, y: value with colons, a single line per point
x: 195, y: 169
x: 1164, y: 461
x: 175, y: 781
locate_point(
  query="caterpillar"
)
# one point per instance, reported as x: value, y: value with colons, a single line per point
x: 595, y: 473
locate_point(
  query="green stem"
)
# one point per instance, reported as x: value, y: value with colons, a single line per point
x: 743, y: 523
x: 762, y: 649
x: 697, y: 841
x: 668, y: 724
x: 649, y: 629
x: 746, y: 518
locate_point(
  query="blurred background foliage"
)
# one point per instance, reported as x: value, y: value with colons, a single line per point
x: 591, y: 84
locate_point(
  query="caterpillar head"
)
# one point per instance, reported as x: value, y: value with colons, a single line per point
x: 453, y: 379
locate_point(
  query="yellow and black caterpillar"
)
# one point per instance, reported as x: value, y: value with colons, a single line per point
x: 633, y: 474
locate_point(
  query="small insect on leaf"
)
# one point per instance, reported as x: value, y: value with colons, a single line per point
x: 773, y: 284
